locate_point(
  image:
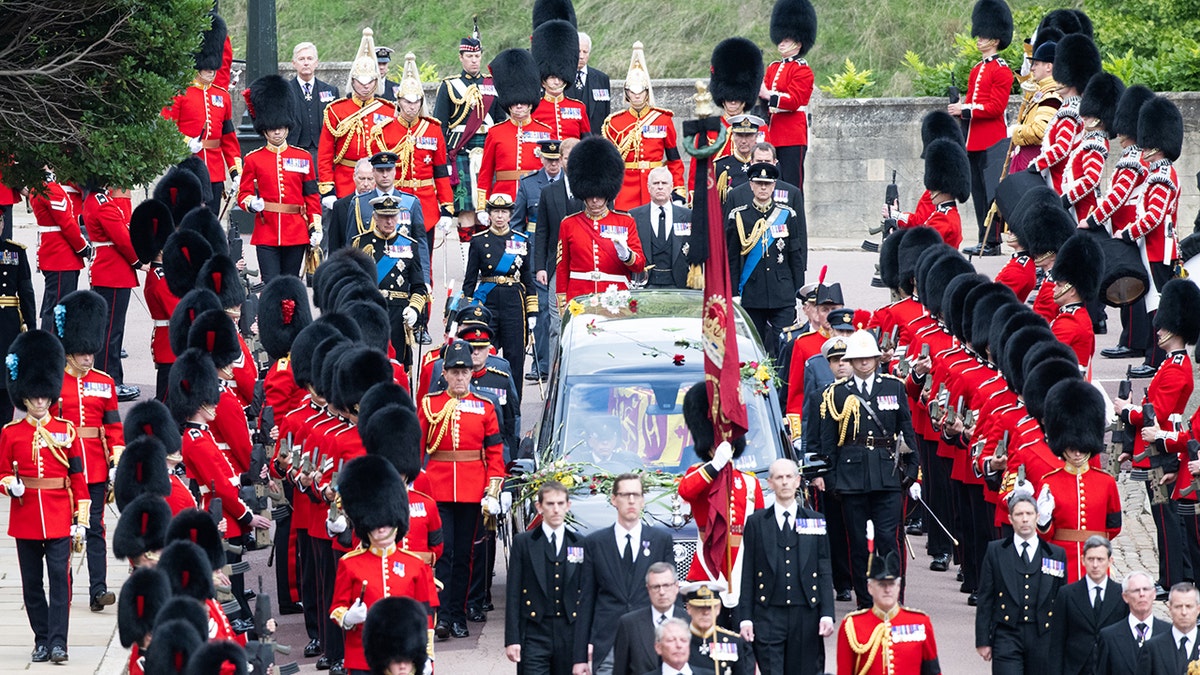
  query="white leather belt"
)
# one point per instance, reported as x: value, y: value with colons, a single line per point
x: 458, y: 129
x: 596, y: 275
x: 98, y: 244
x: 162, y: 323
x: 46, y: 229
x: 222, y: 446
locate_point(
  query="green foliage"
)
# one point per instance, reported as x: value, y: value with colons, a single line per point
x: 850, y: 83
x: 933, y: 80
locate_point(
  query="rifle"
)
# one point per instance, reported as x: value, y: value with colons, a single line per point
x: 954, y: 414
x: 1002, y: 449
x: 887, y: 342
x: 1148, y: 420
x: 216, y: 511
x: 258, y: 462
x: 891, y: 197
x: 1122, y: 433
x: 936, y: 406
x: 1193, y: 450
x: 262, y: 652
x: 952, y: 93
x: 335, y: 506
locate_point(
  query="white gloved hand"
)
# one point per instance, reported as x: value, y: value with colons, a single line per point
x: 1021, y: 489
x: 723, y: 454
x: 914, y: 491
x: 737, y: 299
x: 445, y: 224
x: 336, y: 526
x: 356, y: 615
x: 505, y: 502
x: 195, y: 145
x: 532, y: 321
x: 16, y: 489
x: 491, y: 505
x: 78, y: 531
x: 327, y: 201
x: 482, y: 217
x: 315, y: 238
x: 256, y: 205
x: 410, y: 316
x: 1045, y: 506
x: 428, y: 667
x: 1012, y: 129
x: 623, y: 252
x: 112, y: 474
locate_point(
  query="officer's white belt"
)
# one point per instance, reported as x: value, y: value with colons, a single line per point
x: 47, y: 229
x: 599, y: 276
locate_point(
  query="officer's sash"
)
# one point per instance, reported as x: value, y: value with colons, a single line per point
x: 755, y: 256
x: 385, y: 265
x: 503, y: 268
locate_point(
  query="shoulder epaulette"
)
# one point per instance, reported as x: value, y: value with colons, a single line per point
x: 97, y: 370
x: 914, y: 611
x: 356, y: 552
x: 412, y: 491
x: 1095, y: 145
x: 662, y: 111
x: 497, y: 371
x: 195, y: 433
x: 1178, y: 359
x: 218, y: 88
x: 13, y: 422
x: 1160, y: 177
x: 283, y: 363
x: 1131, y: 162
x: 889, y: 376
x: 858, y: 611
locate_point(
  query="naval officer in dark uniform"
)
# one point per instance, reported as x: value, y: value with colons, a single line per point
x: 396, y: 261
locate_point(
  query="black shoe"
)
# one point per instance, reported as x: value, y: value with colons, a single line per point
x: 101, y: 600
x: 338, y: 668
x: 124, y: 354
x: 940, y: 563
x: 915, y: 527
x: 844, y: 595
x: 964, y: 588
x: 40, y: 654
x: 313, y: 648
x: 58, y: 654
x: 487, y: 607
x: 989, y: 251
x: 291, y: 608
x: 323, y: 663
x: 1142, y: 371
x: 973, y: 600
x: 476, y: 615
x: 972, y: 250
x: 1121, y: 353
x: 459, y: 630
x: 423, y: 337
x: 536, y: 377
x: 128, y: 392
x: 442, y: 630
x: 1100, y: 327
x: 959, y: 576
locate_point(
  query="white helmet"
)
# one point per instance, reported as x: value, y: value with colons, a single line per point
x: 861, y: 345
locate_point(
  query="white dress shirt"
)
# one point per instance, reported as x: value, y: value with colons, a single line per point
x: 635, y: 541
x: 558, y: 536
x: 1033, y: 545
x: 1133, y: 624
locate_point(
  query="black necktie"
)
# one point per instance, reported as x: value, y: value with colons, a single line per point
x: 1096, y: 603
x: 554, y: 543
x: 1141, y: 633
x: 662, y: 222
x: 307, y: 90
x: 579, y: 79
x: 1025, y: 551
x: 1183, y: 650
x: 661, y: 619
x: 786, y: 516
x: 628, y: 556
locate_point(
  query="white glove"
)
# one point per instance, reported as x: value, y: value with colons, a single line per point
x: 737, y: 299
x: 78, y: 531
x: 623, y: 252
x: 1012, y: 129
x: 195, y: 145
x: 327, y: 201
x: 722, y: 456
x: 491, y: 505
x: 355, y: 615
x: 505, y: 503
x: 16, y: 489
x: 445, y: 224
x: 482, y: 217
x: 112, y: 474
x: 336, y: 526
x: 428, y: 667
x: 1045, y: 506
x: 1021, y: 489
x: 315, y: 238
x: 914, y: 491
x: 532, y: 321
x: 256, y: 205
x: 410, y: 316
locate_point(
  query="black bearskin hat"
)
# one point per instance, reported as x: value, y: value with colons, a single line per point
x: 1042, y: 225
x: 205, y: 223
x: 889, y: 259
x: 596, y: 169
x: 184, y: 253
x: 1085, y: 22
x: 1179, y: 310
x: 193, y: 383
x: 79, y: 321
x: 142, y: 595
x: 220, y: 657
x: 372, y: 322
x: 359, y: 290
x: 283, y: 311
x: 180, y: 190
x: 198, y: 527
x: 360, y: 369
x: 992, y: 19
x: 373, y: 496
x: 1074, y: 418
x: 1043, y: 376
x: 1062, y: 19
x: 270, y: 104
x: 190, y: 307
x: 1005, y: 326
x: 142, y: 527
x: 515, y: 76
x: 220, y: 275
x: 939, y: 125
x: 149, y: 226
x: 393, y: 433
x: 344, y: 325
x: 1160, y: 126
x: 939, y: 276
x: 212, y: 45
x: 1016, y: 347
x: 916, y: 241
x: 174, y: 642
x: 141, y: 470
x: 188, y: 570
x: 947, y: 169
x: 795, y: 19
x: 554, y: 10
x: 699, y: 423
x: 381, y: 396
x: 348, y: 261
x: 151, y: 418
x: 985, y: 304
x: 737, y: 72
x: 926, y: 259
x: 303, y: 349
x: 1076, y: 60
x: 956, y: 315
x: 1080, y: 262
x: 395, y: 632
x: 199, y: 169
x: 213, y: 332
x: 1125, y: 120
x: 555, y: 48
x: 34, y: 367
x: 1100, y: 100
x: 186, y: 609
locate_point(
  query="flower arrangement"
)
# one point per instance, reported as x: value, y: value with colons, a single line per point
x: 613, y: 300
x: 759, y: 375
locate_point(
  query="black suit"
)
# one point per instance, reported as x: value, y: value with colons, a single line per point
x: 391, y: 91
x: 540, y: 608
x: 595, y: 95
x: 342, y: 227
x: 552, y: 208
x: 633, y: 647
x: 1017, y: 629
x: 785, y: 193
x: 679, y: 235
x: 611, y: 588
x: 1160, y: 655
x: 1075, y: 627
x: 310, y: 113
x: 1119, y: 649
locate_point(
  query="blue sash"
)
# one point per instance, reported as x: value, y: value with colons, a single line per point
x: 756, y: 254
x: 383, y: 267
x: 503, y: 268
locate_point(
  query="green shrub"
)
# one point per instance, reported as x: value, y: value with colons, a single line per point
x: 850, y: 83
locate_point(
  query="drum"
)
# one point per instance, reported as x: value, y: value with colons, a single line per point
x: 1125, y: 279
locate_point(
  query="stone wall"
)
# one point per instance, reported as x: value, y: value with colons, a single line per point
x: 855, y: 144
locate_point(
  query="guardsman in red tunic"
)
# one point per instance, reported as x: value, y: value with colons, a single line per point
x: 89, y: 401
x: 1184, y: 329
x: 61, y: 247
x: 150, y: 225
x: 1076, y: 501
x: 1076, y: 60
x: 1097, y: 107
x: 1019, y: 273
x: 1076, y: 283
x: 191, y: 574
x: 555, y: 47
x: 220, y: 275
x: 106, y: 217
x: 352, y: 126
x: 510, y: 149
x: 279, y: 184
x: 151, y: 418
x: 947, y: 180
x: 376, y: 502
x: 213, y: 333
x: 645, y: 138
x: 597, y: 248
x: 886, y: 639
x: 465, y: 465
x: 1044, y: 227
x: 787, y: 85
x: 49, y: 494
x: 204, y: 115
x: 144, y: 594
x: 737, y: 73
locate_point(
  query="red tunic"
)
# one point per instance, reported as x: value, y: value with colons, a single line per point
x: 1120, y: 203
x: 790, y: 82
x: 42, y: 513
x: 208, y: 467
x: 319, y: 444
x: 919, y: 215
x: 59, y: 236
x: 565, y: 116
x: 1156, y: 213
x: 424, y: 538
x: 905, y: 643
x: 181, y: 497
x: 900, y: 314
x: 206, y: 112
x: 745, y: 497
x: 348, y: 134
x: 805, y: 347
x: 1019, y: 274
x: 465, y: 450
x: 286, y: 179
x: 646, y: 140
x: 1169, y: 391
x: 1060, y: 139
x: 508, y: 156
x: 1082, y: 178
x: 1043, y: 303
x: 946, y: 221
x: 89, y: 403
x: 1073, y: 327
x: 587, y: 257
x: 280, y: 390
x: 106, y: 220
x: 987, y: 98
x: 422, y: 169
x: 245, y: 374
x: 161, y: 304
x: 231, y: 431
x: 1085, y: 503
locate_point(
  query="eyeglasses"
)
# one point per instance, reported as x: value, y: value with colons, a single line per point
x: 627, y: 495
x: 658, y: 588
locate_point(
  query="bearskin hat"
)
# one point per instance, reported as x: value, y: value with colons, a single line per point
x: 180, y: 190
x: 151, y: 418
x: 1085, y: 22
x: 992, y: 19
x: 555, y: 48
x: 34, y: 367
x: 1076, y: 60
x: 1100, y: 100
x: 198, y: 527
x: 947, y: 169
x: 193, y: 382
x: 995, y: 347
x: 1189, y: 246
x: 142, y: 596
x: 1080, y: 262
x: 916, y: 241
x: 190, y: 307
x: 373, y: 496
x: 1064, y: 20
x: 395, y: 631
x: 392, y: 432
x: 303, y: 348
x: 79, y: 321
x: 220, y: 657
x: 1043, y: 226
x: 985, y: 304
x: 372, y: 322
x: 283, y: 311
x: 212, y: 45
x: 213, y: 332
x: 1125, y: 120
x: 737, y: 72
x: 381, y: 396
x: 184, y: 253
x: 795, y: 19
x: 359, y: 291
x: 598, y: 170
x: 142, y: 469
x: 142, y: 527
x: 1160, y: 126
x: 1074, y: 418
x: 1010, y: 194
x: 515, y: 76
x: 186, y: 609
x: 347, y: 261
x: 939, y: 125
x: 149, y: 226
x: 324, y: 363
x: 1005, y: 325
x: 889, y: 259
x: 1179, y: 309
x: 361, y: 368
x: 204, y: 222
x: 174, y: 643
x: 188, y: 570
x: 199, y: 169
x: 269, y: 102
x: 1016, y: 347
x: 956, y: 315
x: 1044, y: 36
x: 220, y: 275
x: 939, y: 276
x: 344, y: 325
x: 699, y: 423
x: 554, y: 10
x: 1043, y: 376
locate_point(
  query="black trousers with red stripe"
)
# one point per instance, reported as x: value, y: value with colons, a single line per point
x: 48, y: 620
x: 1173, y: 563
x: 58, y: 284
x: 791, y: 164
x: 109, y: 357
x: 462, y: 524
